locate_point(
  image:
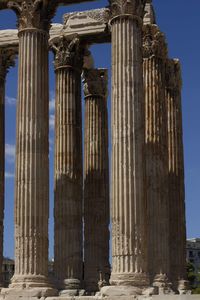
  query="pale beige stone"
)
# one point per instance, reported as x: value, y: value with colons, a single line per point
x: 165, y: 297
x: 9, y: 37
x: 129, y: 249
x: 129, y: 214
x: 68, y: 165
x: 96, y: 180
x: 149, y: 17
x: 91, y: 25
x: 32, y: 161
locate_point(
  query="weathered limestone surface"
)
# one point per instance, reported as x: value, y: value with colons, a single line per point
x: 150, y: 16
x: 160, y: 297
x: 6, y: 60
x: 91, y: 25
x: 177, y: 227
x: 9, y: 38
x: 96, y: 180
x: 68, y: 164
x: 132, y: 210
x: 129, y: 247
x: 154, y: 59
x: 32, y: 163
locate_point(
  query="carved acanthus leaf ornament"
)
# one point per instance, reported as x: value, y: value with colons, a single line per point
x: 68, y: 52
x: 127, y: 7
x: 178, y: 75
x: 154, y: 43
x: 101, y: 15
x: 95, y: 82
x: 173, y: 75
x: 34, y: 14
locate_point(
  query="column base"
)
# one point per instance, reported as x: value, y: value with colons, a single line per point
x: 138, y: 280
x: 162, y: 284
x: 71, y: 288
x: 119, y: 291
x: 91, y: 287
x: 72, y: 293
x: 125, y: 284
x: 16, y: 293
x: 184, y: 287
x: 29, y: 286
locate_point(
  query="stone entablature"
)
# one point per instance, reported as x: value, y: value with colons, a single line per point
x: 91, y: 25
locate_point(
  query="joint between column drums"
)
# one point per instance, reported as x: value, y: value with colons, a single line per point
x: 126, y: 16
x: 68, y: 67
x: 94, y: 95
x: 42, y: 31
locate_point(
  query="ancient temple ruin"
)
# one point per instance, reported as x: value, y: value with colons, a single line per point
x: 144, y: 198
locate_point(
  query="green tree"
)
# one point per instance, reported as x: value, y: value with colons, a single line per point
x: 193, y: 278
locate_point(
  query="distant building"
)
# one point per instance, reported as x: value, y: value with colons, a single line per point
x: 193, y: 253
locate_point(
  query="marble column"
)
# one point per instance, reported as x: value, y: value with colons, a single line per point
x: 6, y: 60
x: 32, y: 151
x: 129, y: 222
x: 68, y: 165
x: 154, y: 58
x: 176, y: 187
x: 96, y: 180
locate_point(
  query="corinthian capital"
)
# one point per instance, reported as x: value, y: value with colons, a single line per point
x: 7, y: 60
x: 154, y: 43
x: 33, y: 14
x: 68, y: 52
x: 173, y: 75
x: 127, y: 7
x: 95, y: 82
x: 178, y: 74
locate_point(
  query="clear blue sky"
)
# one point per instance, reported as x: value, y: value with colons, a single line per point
x: 180, y: 22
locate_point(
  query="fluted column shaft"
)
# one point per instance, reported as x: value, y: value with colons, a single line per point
x: 176, y: 176
x: 68, y: 166
x: 96, y: 180
x: 155, y: 54
x: 128, y: 201
x: 32, y: 149
x: 32, y: 163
